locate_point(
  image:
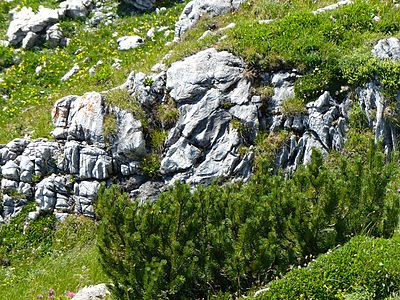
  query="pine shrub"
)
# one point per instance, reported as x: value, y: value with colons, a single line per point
x: 195, y: 244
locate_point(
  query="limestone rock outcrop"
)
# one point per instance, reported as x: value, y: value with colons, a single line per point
x: 218, y: 117
x: 195, y: 9
x: 29, y: 28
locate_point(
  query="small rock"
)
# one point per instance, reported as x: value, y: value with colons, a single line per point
x: 92, y: 292
x: 70, y: 73
x: 129, y: 42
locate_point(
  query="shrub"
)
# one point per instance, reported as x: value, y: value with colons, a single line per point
x: 193, y: 244
x: 365, y: 268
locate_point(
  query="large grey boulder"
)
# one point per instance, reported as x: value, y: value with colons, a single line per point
x: 387, y: 49
x: 27, y: 21
x: 77, y: 8
x: 211, y: 91
x: 79, y: 118
x: 141, y: 5
x: 194, y: 10
x: 190, y: 79
x: 92, y: 292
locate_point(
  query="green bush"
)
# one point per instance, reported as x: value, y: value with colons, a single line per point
x: 365, y: 268
x: 194, y: 244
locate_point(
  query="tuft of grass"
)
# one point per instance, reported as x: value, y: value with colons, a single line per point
x: 293, y: 106
x: 150, y: 165
x: 167, y: 114
x: 109, y: 125
x: 157, y: 139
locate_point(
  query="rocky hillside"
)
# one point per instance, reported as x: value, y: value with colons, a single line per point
x: 192, y: 121
x: 144, y: 94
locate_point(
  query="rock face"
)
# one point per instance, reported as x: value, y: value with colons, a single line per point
x: 322, y: 126
x: 204, y: 144
x: 197, y: 8
x: 218, y: 119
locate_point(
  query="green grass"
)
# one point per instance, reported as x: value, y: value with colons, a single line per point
x: 365, y: 268
x: 48, y: 255
x: 64, y: 271
x: 31, y: 96
x: 327, y: 48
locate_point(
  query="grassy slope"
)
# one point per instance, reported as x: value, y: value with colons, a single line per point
x: 298, y: 40
x: 32, y: 96
x: 46, y: 255
x: 365, y: 268
x: 331, y: 49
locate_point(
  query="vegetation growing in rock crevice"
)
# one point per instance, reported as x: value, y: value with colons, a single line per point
x: 195, y: 244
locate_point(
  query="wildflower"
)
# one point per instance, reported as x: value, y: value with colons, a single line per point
x: 70, y: 294
x: 51, y: 293
x: 40, y: 296
x: 398, y: 190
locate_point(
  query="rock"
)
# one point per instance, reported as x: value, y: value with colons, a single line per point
x: 387, y: 49
x: 191, y: 78
x: 203, y: 145
x: 94, y: 164
x: 85, y: 193
x: 86, y: 162
x: 148, y: 191
x: 10, y: 171
x: 70, y: 73
x: 45, y: 157
x: 55, y: 37
x: 333, y: 6
x: 30, y: 40
x: 79, y: 118
x: 26, y: 21
x: 129, y: 42
x: 180, y: 156
x: 129, y: 141
x: 93, y: 292
x: 52, y: 193
x: 195, y: 9
x: 77, y: 8
x: 373, y: 103
x: 141, y: 5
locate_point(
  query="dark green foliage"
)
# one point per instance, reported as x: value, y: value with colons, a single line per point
x: 365, y: 266
x: 19, y: 239
x: 190, y: 245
